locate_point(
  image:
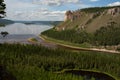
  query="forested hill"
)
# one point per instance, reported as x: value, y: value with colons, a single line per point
x: 90, y: 19
x: 97, y: 26
x: 40, y: 22
x: 5, y: 22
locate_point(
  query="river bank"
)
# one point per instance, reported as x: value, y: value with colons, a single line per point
x: 74, y: 47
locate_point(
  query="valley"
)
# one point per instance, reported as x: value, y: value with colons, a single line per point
x: 85, y: 46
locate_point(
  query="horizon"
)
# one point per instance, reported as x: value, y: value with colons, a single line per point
x: 49, y: 10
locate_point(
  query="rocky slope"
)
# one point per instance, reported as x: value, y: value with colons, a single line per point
x: 90, y: 19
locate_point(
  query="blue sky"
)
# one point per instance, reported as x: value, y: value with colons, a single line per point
x: 49, y: 9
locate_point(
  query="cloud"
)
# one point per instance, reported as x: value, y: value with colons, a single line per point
x: 18, y: 4
x: 41, y: 14
x: 40, y: 9
x: 94, y: 0
x: 114, y: 4
x: 54, y: 2
x: 26, y: 10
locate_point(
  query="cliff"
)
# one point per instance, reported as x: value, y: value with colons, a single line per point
x: 90, y: 19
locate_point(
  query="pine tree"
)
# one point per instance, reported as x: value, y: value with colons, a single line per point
x: 2, y: 9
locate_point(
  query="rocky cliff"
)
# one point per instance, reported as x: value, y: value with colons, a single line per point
x: 69, y: 15
x: 90, y: 19
x: 114, y: 11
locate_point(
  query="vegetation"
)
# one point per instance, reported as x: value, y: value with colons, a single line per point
x: 4, y: 22
x: 68, y: 35
x: 32, y: 40
x: 91, y: 19
x: 4, y: 33
x: 97, y: 9
x: 32, y: 62
x: 2, y: 8
x: 65, y: 43
x: 108, y: 35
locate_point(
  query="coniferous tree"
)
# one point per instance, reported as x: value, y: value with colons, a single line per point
x: 2, y: 9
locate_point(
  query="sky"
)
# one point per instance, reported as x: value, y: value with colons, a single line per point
x: 49, y: 10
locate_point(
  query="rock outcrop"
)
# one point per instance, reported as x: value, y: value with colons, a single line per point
x: 114, y: 11
x: 73, y: 15
x: 69, y: 15
x: 90, y: 19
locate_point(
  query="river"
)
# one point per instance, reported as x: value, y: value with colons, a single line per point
x: 20, y: 32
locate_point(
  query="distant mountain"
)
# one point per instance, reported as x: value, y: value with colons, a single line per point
x: 40, y: 22
x: 90, y: 19
x: 4, y: 22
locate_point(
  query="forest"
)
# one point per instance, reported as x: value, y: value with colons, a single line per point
x: 108, y: 35
x: 96, y: 9
x: 34, y: 62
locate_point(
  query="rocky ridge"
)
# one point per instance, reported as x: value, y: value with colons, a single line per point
x: 90, y: 19
x: 72, y: 15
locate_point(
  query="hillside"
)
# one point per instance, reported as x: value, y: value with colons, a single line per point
x: 98, y: 26
x: 90, y: 19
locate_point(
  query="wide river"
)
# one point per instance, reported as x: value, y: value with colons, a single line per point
x: 20, y: 32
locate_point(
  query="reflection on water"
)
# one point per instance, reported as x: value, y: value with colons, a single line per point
x: 19, y: 28
x: 89, y: 74
x: 19, y: 32
x: 14, y: 38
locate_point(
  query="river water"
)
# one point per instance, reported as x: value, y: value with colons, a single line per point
x: 20, y: 32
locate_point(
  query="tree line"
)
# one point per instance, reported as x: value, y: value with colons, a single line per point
x: 107, y: 35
